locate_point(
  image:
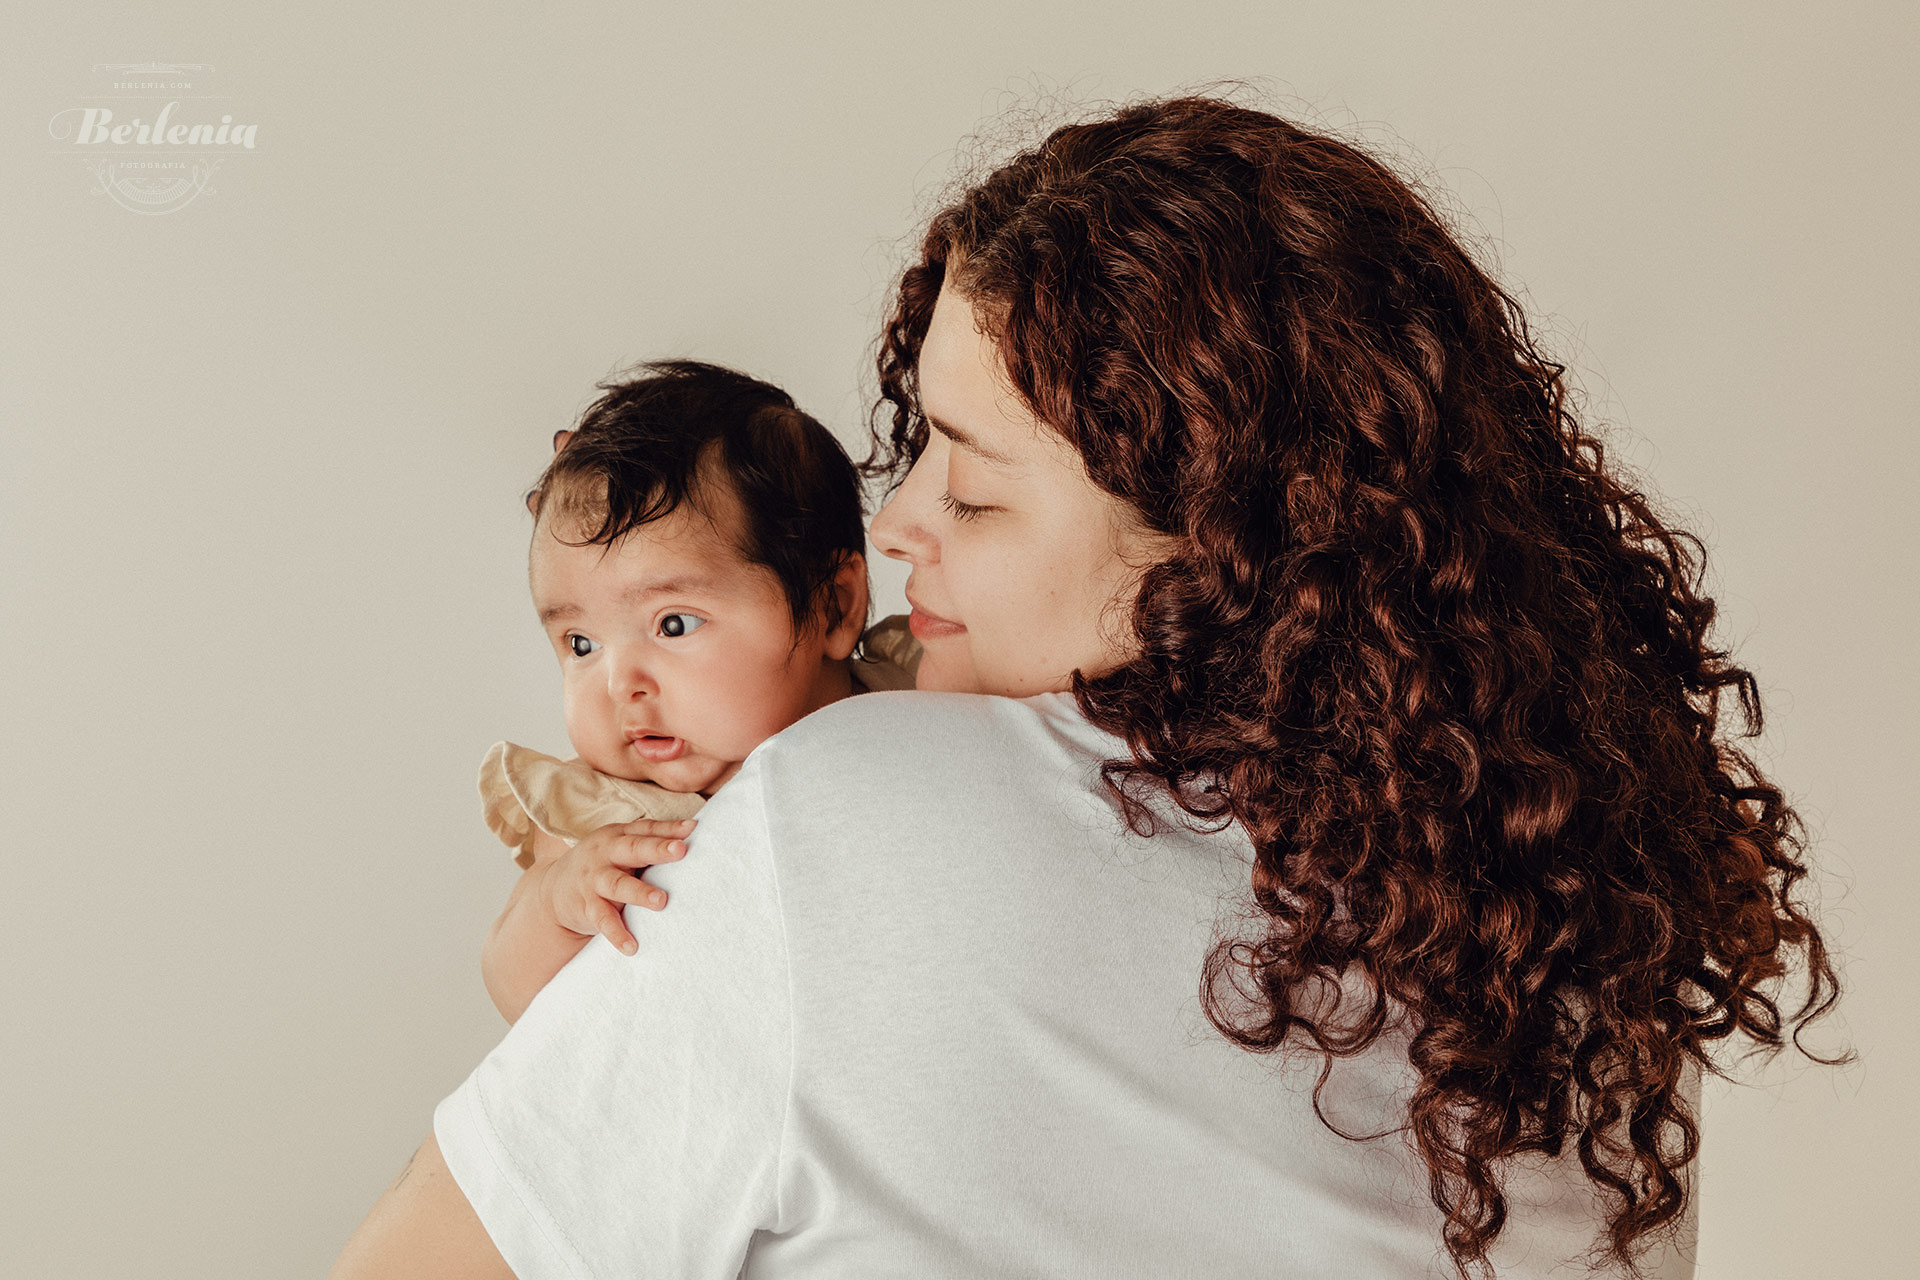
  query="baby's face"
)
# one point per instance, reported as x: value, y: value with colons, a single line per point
x: 673, y: 651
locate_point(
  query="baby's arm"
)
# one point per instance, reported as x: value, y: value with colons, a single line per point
x: 566, y: 897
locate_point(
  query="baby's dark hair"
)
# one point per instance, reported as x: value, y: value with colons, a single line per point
x: 666, y: 428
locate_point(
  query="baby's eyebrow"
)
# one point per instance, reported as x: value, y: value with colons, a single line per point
x: 688, y: 584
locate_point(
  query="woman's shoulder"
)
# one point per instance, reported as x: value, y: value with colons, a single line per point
x: 909, y: 726
x: 913, y: 745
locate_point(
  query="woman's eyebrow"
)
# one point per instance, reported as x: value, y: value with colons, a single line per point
x: 969, y: 443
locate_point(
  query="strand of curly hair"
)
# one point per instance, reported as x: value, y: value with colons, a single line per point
x: 1452, y: 675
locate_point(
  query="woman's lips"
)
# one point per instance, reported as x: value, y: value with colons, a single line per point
x: 926, y: 626
x: 656, y: 747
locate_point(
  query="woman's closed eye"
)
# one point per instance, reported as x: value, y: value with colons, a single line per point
x: 961, y: 510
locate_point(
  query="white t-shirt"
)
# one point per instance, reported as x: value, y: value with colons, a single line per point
x: 920, y: 1005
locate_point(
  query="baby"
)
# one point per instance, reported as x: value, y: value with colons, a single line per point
x: 698, y: 564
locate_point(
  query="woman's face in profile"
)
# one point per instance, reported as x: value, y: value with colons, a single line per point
x: 1023, y: 570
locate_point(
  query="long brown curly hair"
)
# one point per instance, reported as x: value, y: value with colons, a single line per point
x: 1451, y: 673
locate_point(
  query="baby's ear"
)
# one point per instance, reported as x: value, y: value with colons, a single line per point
x: 849, y: 606
x: 560, y: 439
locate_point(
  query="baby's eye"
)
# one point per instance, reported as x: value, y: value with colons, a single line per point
x: 679, y: 624
x: 580, y: 645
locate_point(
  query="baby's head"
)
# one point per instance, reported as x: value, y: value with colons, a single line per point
x: 699, y: 565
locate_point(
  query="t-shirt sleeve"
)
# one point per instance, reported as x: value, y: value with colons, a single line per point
x: 630, y: 1123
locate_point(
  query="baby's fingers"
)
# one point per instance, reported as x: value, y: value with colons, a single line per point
x: 608, y: 923
x: 617, y: 885
x: 645, y: 849
x: 654, y: 827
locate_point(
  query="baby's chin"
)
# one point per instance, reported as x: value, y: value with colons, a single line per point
x: 696, y: 775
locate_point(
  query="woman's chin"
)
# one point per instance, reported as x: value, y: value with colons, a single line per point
x: 939, y: 673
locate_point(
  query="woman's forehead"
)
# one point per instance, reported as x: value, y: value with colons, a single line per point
x: 964, y: 388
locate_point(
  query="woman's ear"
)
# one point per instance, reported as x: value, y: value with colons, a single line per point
x: 560, y: 439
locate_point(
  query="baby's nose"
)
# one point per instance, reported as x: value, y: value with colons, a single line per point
x: 629, y: 680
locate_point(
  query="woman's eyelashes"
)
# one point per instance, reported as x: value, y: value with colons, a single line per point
x: 961, y: 510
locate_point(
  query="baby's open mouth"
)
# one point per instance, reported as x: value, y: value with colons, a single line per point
x: 657, y: 747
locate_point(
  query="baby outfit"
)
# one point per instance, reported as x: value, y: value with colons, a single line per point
x: 523, y: 790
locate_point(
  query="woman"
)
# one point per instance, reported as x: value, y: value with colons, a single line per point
x: 1347, y: 699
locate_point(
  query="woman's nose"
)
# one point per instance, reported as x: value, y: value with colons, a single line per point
x: 900, y: 529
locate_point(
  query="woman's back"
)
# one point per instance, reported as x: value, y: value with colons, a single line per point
x: 925, y: 1006
x: 1006, y: 1054
x: 1000, y: 1054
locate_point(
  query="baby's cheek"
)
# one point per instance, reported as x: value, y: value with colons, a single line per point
x: 610, y: 762
x: 753, y: 726
x: 595, y: 742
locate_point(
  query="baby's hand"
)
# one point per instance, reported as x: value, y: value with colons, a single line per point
x: 586, y: 886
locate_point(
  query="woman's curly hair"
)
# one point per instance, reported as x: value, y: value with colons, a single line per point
x: 1452, y: 675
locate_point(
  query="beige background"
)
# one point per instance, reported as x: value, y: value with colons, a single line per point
x: 263, y: 598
